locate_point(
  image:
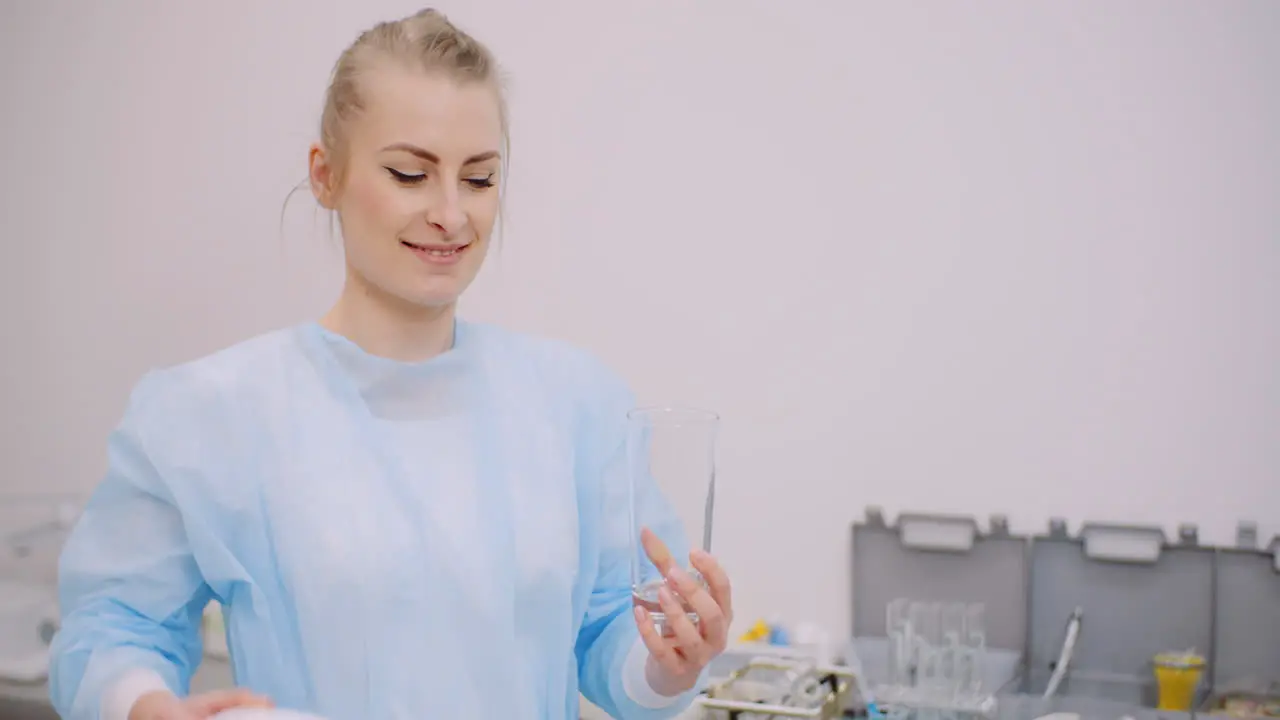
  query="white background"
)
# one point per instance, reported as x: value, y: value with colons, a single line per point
x: 952, y: 256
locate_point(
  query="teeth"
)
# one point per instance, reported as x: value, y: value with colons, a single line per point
x: 437, y: 252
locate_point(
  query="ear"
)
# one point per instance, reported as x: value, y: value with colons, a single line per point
x: 321, y: 177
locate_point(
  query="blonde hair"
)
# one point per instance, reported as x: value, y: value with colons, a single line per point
x: 425, y: 41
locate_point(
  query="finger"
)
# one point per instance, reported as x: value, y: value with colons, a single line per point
x: 182, y: 712
x: 657, y: 551
x: 209, y: 704
x: 687, y: 635
x: 212, y: 703
x: 167, y: 707
x: 661, y: 650
x: 710, y: 616
x: 717, y: 581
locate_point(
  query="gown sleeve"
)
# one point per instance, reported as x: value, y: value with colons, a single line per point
x: 611, y: 656
x: 130, y: 593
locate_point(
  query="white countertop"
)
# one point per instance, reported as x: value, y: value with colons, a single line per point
x: 213, y: 674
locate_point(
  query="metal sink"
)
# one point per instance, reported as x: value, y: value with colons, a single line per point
x: 19, y: 709
x: 32, y: 532
x: 28, y: 621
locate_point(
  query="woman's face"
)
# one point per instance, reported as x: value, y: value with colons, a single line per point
x: 418, y: 195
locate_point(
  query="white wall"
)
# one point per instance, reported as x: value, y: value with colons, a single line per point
x: 958, y: 257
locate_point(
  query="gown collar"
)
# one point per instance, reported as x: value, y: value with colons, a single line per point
x: 398, y: 389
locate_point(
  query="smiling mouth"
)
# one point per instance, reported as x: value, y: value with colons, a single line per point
x: 436, y: 251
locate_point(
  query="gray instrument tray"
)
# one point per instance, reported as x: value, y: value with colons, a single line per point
x: 1246, y: 650
x: 1140, y: 595
x: 1140, y: 592
x: 939, y: 558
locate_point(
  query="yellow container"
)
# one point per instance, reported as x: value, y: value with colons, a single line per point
x: 756, y: 633
x: 1177, y: 679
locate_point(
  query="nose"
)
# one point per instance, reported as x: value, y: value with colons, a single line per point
x: 445, y: 211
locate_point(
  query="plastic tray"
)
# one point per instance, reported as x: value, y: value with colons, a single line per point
x: 1246, y: 650
x: 940, y: 558
x: 1140, y: 594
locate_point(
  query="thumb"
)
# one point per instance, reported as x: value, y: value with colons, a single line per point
x: 209, y: 704
x: 657, y: 551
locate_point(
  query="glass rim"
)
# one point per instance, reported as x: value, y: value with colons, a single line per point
x: 674, y: 414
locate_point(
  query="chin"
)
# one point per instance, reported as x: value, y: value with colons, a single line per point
x: 432, y: 301
x: 432, y: 298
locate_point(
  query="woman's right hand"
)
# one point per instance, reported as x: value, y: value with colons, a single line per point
x: 164, y: 705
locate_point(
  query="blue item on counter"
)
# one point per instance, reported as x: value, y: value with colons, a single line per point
x: 778, y: 635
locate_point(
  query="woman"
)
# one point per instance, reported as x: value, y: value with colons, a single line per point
x: 404, y: 515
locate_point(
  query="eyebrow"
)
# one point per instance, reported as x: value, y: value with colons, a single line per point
x: 433, y: 158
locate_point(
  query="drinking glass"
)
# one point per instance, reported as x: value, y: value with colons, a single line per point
x: 955, y: 653
x: 672, y: 472
x: 976, y: 642
x: 898, y: 629
x: 926, y: 629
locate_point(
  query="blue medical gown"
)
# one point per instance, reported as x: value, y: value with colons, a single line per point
x: 447, y: 539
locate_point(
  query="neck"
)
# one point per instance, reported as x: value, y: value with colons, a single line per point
x: 387, y: 326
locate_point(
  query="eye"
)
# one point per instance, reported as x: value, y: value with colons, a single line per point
x: 406, y: 178
x: 481, y: 183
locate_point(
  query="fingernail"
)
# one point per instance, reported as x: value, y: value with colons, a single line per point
x: 639, y: 613
x: 699, y: 555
